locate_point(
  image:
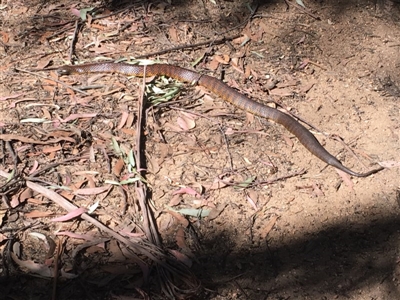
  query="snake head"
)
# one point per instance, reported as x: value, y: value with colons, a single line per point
x: 64, y: 70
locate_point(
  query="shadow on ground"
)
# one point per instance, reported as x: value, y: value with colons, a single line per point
x: 335, y: 262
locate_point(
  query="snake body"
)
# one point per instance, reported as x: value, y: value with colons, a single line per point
x: 225, y: 92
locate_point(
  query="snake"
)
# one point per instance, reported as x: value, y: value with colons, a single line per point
x: 224, y: 91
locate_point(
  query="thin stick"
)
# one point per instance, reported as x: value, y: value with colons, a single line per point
x: 191, y: 46
x: 74, y: 40
x: 56, y: 267
x: 148, y: 221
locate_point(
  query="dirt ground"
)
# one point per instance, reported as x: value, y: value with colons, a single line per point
x: 237, y: 200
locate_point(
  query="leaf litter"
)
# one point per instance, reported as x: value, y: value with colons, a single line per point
x: 112, y: 153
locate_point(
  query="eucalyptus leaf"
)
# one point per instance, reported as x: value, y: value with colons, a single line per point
x: 116, y: 146
x: 246, y: 183
x: 130, y: 180
x: 131, y: 159
x: 299, y: 2
x: 11, y: 175
x: 33, y: 120
x: 194, y: 212
x: 83, y: 12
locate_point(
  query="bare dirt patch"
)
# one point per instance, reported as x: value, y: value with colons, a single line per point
x: 282, y: 226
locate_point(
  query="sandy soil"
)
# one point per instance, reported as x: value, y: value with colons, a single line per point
x: 285, y: 227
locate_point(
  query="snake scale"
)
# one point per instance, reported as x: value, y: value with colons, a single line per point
x: 226, y: 93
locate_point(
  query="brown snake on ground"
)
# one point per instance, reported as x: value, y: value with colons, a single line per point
x: 225, y: 92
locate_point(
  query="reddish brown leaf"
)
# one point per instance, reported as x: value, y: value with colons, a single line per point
x: 252, y: 198
x: 119, y: 167
x: 218, y: 184
x: 51, y: 149
x: 186, y: 190
x: 44, y: 62
x: 175, y: 200
x: 266, y: 230
x: 11, y: 97
x: 346, y: 178
x: 38, y: 214
x: 14, y: 201
x: 124, y: 117
x: 173, y: 34
x: 5, y: 37
x: 317, y: 191
x: 73, y: 117
x: 182, y: 258
x: 129, y: 131
x: 186, y: 123
x: 93, y: 191
x: 71, y: 215
x: 180, y: 238
x: 181, y: 219
x: 213, y: 65
x: 288, y: 140
x: 25, y: 194
x: 215, y: 212
x: 222, y: 59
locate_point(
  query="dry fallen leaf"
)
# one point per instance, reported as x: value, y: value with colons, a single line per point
x: 215, y: 212
x: 181, y: 257
x: 38, y: 214
x: 186, y: 123
x: 44, y: 62
x: 252, y: 198
x: 213, y: 64
x: 33, y: 267
x: 118, y: 167
x: 186, y: 190
x: 175, y: 200
x: 317, y: 190
x: 124, y: 118
x: 266, y: 230
x: 346, y: 178
x: 218, y: 184
x: 93, y: 191
x: 181, y: 219
x: 180, y: 238
x: 71, y: 215
x: 173, y: 34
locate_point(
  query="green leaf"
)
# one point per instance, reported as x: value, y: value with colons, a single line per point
x: 11, y: 175
x: 131, y: 159
x: 83, y: 12
x: 246, y: 183
x: 130, y: 180
x: 198, y: 60
x: 193, y: 212
x: 116, y: 146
